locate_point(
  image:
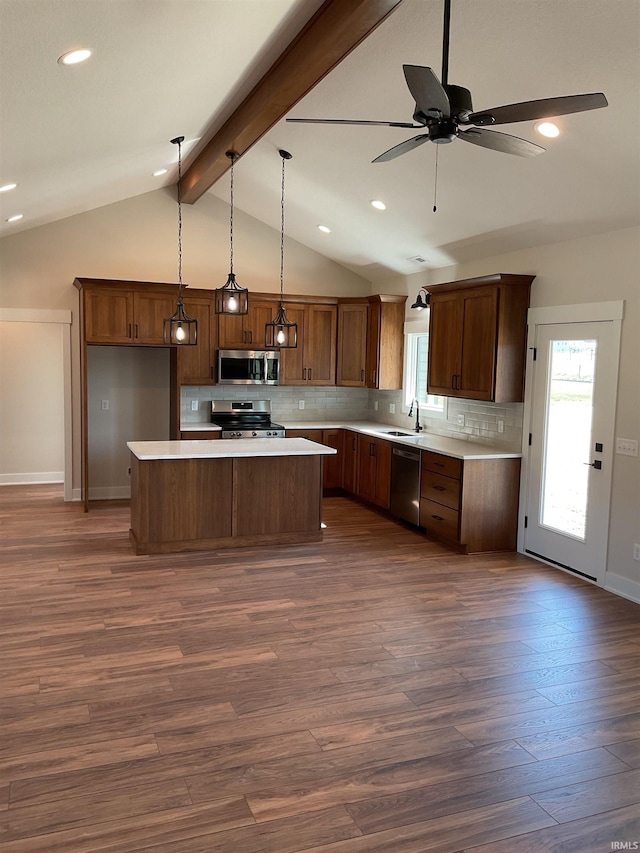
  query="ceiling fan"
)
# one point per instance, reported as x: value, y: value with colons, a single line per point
x: 446, y: 112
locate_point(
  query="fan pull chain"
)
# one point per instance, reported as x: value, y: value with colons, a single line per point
x: 435, y: 182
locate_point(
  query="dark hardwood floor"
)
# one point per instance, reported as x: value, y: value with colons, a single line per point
x: 373, y: 693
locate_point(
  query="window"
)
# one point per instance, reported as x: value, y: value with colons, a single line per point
x: 415, y: 377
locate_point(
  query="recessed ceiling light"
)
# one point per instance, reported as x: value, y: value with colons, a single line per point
x: 15, y: 218
x: 73, y: 57
x: 324, y: 229
x: 159, y: 172
x: 547, y: 128
x: 7, y: 187
x: 379, y: 205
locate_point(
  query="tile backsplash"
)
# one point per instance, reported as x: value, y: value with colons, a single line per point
x: 358, y: 404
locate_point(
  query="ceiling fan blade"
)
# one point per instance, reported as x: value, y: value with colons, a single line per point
x: 426, y: 90
x: 543, y: 108
x: 349, y: 121
x: 403, y: 148
x: 500, y: 142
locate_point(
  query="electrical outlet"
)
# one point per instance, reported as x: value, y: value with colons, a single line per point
x: 636, y: 552
x: 500, y: 426
x: 301, y: 404
x: 105, y: 405
x: 460, y: 420
x: 194, y: 405
x: 626, y: 447
x: 392, y: 408
x: 375, y: 405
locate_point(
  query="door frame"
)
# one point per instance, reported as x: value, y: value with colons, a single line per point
x: 588, y: 312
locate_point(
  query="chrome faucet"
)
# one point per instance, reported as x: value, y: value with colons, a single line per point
x: 417, y: 427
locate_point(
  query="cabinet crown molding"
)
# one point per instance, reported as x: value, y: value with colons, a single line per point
x: 511, y: 279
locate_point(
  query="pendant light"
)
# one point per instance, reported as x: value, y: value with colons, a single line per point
x: 180, y: 329
x: 231, y: 299
x: 280, y: 333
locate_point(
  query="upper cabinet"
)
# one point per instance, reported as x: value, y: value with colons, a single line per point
x: 477, y: 338
x: 246, y: 331
x: 352, y: 344
x: 371, y: 342
x: 313, y: 361
x: 196, y: 365
x: 127, y: 314
x: 385, y: 342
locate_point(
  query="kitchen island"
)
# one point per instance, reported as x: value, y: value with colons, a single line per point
x: 231, y: 493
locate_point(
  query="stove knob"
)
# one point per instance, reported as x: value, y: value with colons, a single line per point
x: 254, y: 434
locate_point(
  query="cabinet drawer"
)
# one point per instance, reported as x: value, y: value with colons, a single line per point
x: 192, y: 435
x: 440, y: 464
x: 442, y: 490
x: 439, y: 519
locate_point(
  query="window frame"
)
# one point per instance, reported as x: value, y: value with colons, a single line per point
x: 431, y: 406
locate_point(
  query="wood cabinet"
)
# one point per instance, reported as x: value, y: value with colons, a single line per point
x: 331, y: 465
x: 472, y: 503
x: 246, y: 330
x: 374, y: 470
x: 132, y: 314
x: 477, y: 338
x: 352, y: 344
x: 385, y: 342
x: 203, y: 435
x: 313, y: 361
x: 196, y: 365
x: 350, y: 461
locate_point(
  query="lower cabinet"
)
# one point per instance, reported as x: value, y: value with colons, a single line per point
x: 350, y: 463
x: 471, y: 503
x: 374, y: 470
x: 192, y: 435
x: 331, y: 465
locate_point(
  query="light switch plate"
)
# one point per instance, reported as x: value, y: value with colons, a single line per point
x: 626, y: 447
x: 392, y: 408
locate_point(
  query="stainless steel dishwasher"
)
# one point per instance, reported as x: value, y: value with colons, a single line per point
x: 405, y: 484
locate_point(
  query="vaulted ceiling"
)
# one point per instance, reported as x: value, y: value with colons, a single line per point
x: 81, y: 137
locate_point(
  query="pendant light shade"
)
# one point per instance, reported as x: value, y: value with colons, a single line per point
x: 231, y: 298
x: 280, y: 333
x: 179, y: 329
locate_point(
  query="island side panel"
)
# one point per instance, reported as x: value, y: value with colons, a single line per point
x: 180, y: 501
x: 490, y: 492
x: 277, y: 495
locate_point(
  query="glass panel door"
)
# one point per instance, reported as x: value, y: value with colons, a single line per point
x: 568, y: 436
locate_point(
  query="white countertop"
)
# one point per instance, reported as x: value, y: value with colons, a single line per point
x: 456, y: 447
x: 228, y: 448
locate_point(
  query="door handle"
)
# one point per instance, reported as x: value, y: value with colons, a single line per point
x: 362, y: 375
x: 310, y: 374
x: 439, y: 488
x: 597, y: 464
x: 304, y: 374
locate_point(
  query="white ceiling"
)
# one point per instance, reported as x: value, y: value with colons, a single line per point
x: 78, y: 138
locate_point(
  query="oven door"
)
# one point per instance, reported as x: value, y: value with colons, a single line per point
x: 248, y: 367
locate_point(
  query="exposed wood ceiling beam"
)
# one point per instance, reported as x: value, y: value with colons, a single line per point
x: 331, y: 34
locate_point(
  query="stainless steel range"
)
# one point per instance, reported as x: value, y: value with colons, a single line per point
x: 245, y: 419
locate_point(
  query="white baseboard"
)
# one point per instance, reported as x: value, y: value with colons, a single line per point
x: 76, y: 494
x: 622, y: 586
x: 109, y: 493
x: 39, y: 478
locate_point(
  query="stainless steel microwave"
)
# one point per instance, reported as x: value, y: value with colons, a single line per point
x: 248, y: 367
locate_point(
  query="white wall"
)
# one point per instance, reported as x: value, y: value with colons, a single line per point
x: 31, y: 403
x: 136, y: 239
x: 596, y: 269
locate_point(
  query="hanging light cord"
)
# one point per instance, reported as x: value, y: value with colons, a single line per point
x: 282, y: 237
x: 178, y: 141
x: 232, y: 157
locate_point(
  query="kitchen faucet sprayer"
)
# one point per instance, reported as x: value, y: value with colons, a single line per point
x: 418, y: 427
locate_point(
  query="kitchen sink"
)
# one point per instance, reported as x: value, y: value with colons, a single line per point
x: 397, y: 432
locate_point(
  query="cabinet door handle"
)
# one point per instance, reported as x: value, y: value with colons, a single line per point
x: 362, y: 375
x: 250, y: 334
x: 370, y: 448
x: 438, y: 517
x: 439, y: 488
x: 353, y: 443
x: 136, y: 330
x: 304, y: 374
x: 438, y: 464
x: 211, y: 372
x: 309, y: 374
x: 374, y: 377
x: 453, y: 381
